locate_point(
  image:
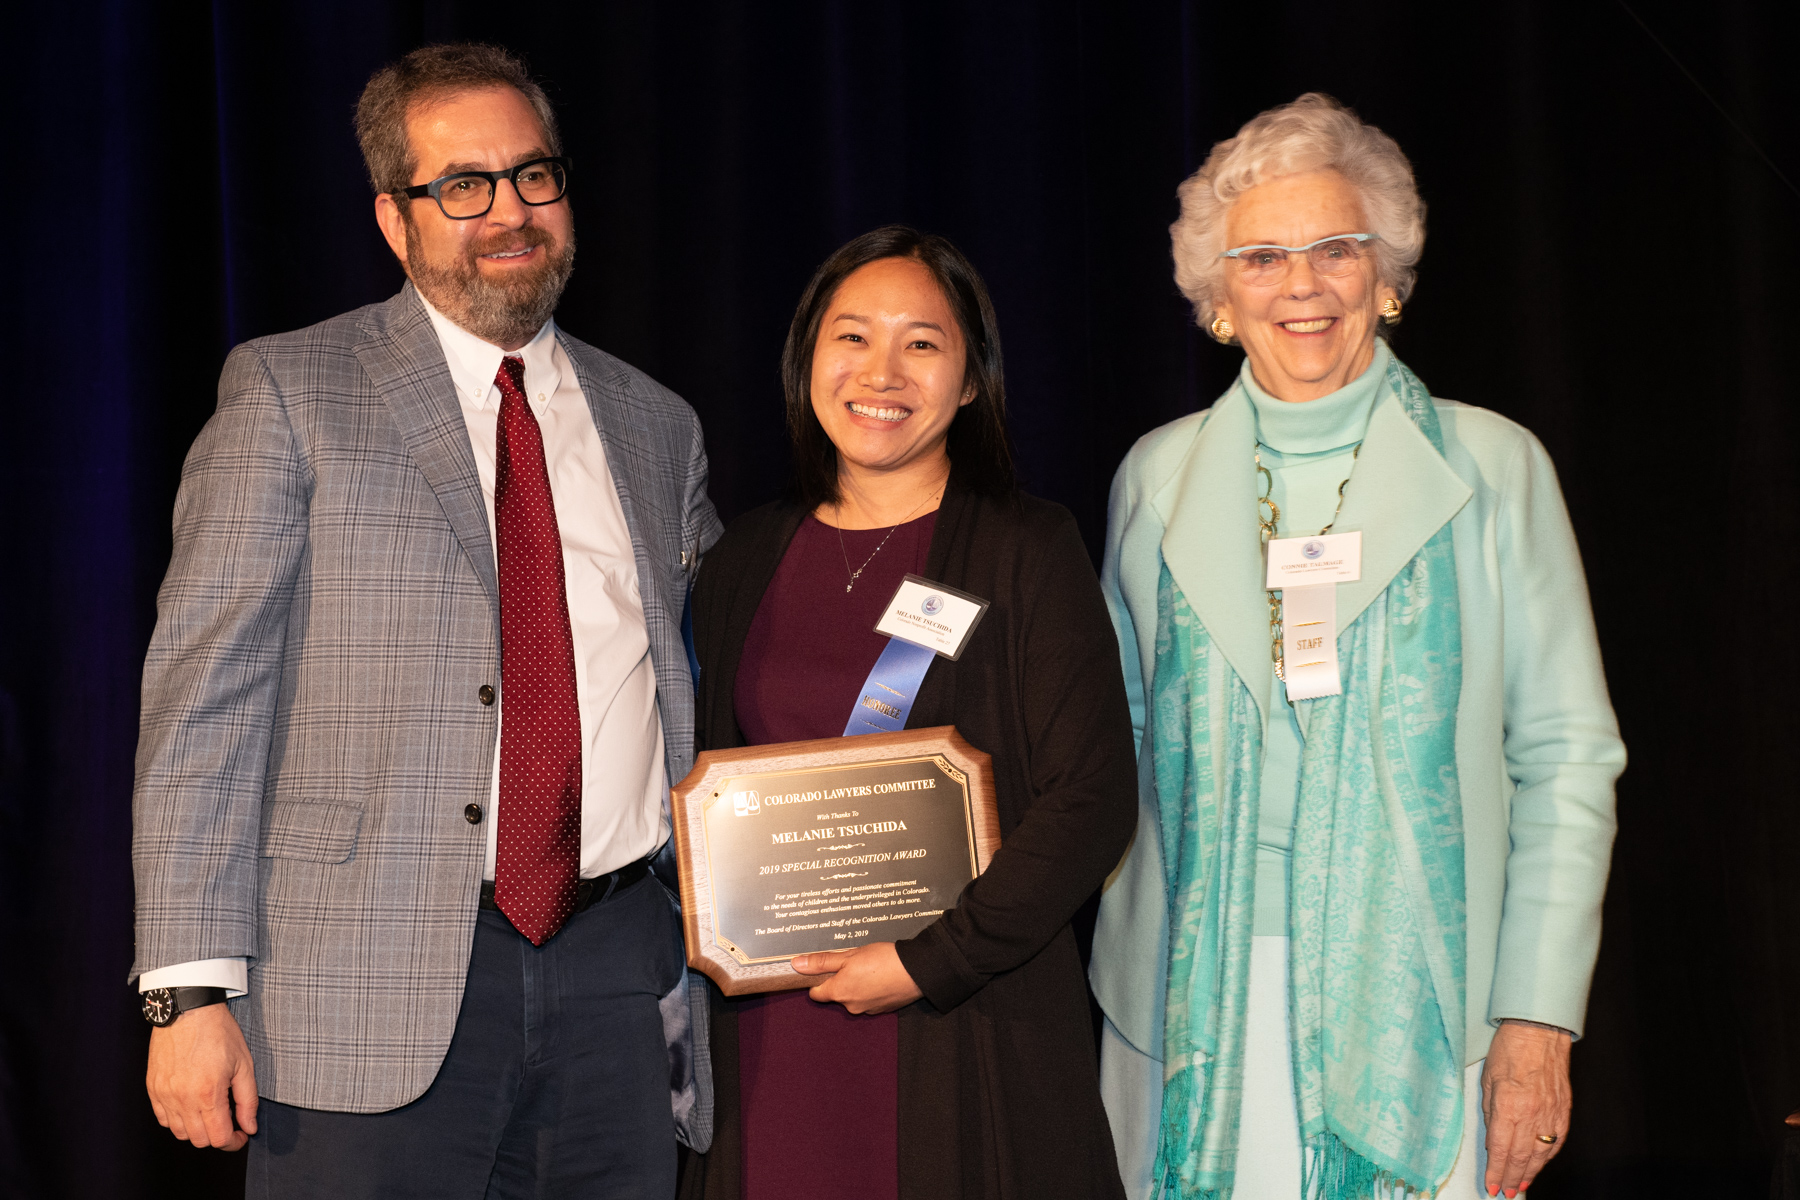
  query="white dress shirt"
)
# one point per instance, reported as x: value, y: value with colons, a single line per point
x: 622, y: 779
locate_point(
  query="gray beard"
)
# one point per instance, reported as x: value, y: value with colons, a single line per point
x: 507, y: 314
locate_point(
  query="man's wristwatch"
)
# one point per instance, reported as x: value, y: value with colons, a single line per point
x: 163, y: 1005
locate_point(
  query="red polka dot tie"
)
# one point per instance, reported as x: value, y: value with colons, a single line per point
x: 537, y: 863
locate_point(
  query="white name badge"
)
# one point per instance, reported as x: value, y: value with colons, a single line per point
x: 1305, y: 561
x: 933, y: 616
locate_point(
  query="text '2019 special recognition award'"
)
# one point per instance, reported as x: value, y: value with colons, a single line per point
x: 831, y: 844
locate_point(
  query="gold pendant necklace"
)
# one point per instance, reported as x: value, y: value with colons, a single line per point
x: 857, y: 574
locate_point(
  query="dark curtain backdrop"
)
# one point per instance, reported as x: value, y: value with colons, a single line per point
x: 1611, y: 263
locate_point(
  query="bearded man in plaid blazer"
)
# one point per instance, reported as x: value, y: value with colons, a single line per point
x: 415, y: 694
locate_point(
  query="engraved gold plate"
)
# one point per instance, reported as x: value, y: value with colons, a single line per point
x: 826, y: 845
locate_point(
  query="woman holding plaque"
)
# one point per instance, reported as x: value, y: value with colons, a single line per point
x: 959, y: 1062
x: 1352, y: 942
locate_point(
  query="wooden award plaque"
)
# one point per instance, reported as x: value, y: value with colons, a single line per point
x: 826, y: 845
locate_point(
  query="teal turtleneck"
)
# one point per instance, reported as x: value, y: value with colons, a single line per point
x: 1309, y: 448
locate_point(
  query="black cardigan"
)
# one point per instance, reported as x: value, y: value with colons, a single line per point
x: 999, y: 1090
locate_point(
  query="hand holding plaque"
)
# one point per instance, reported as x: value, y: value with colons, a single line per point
x: 826, y: 845
x: 871, y: 979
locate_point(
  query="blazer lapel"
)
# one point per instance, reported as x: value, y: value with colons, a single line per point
x: 404, y: 360
x: 628, y: 452
x: 1401, y: 492
x: 1210, y: 539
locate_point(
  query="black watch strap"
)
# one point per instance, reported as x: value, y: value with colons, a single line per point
x: 163, y: 1005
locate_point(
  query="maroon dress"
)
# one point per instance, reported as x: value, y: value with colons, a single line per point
x: 818, y: 1086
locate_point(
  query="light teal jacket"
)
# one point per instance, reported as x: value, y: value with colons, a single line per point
x: 1537, y: 745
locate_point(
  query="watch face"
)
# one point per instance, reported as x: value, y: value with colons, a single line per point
x: 159, y: 1006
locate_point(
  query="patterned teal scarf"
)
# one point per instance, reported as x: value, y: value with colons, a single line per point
x: 1377, y: 924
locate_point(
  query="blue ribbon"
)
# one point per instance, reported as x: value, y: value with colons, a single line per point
x: 687, y: 636
x: 887, y: 694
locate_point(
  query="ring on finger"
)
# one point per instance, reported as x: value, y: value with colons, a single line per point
x: 1549, y: 1139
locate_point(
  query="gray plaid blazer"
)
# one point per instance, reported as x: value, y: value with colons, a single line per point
x: 311, y: 730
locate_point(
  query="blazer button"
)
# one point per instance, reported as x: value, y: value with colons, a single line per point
x: 486, y: 693
x: 472, y: 814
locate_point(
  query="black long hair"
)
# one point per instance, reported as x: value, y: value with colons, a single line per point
x: 979, y: 451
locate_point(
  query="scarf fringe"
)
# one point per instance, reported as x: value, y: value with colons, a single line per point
x: 1330, y: 1169
x: 1333, y: 1171
x: 1175, y: 1143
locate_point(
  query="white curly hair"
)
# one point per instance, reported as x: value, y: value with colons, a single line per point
x: 1312, y: 133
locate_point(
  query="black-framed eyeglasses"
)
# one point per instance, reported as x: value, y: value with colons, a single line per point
x: 470, y: 194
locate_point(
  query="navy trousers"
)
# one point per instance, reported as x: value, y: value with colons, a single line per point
x: 556, y: 1082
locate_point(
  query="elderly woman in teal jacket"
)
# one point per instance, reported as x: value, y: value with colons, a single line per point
x: 1351, y: 943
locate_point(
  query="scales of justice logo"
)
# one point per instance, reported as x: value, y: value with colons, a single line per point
x: 1313, y: 549
x: 933, y: 605
x: 746, y: 804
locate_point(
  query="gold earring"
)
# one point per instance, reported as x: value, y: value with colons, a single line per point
x: 1390, y: 311
x: 1221, y: 330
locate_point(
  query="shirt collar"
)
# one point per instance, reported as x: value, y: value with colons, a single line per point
x: 474, y: 363
x: 1329, y: 423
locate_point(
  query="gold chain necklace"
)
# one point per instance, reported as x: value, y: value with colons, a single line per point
x: 1268, y: 518
x: 857, y: 574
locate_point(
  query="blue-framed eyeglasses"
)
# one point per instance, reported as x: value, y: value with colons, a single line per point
x: 1330, y: 256
x: 470, y: 194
